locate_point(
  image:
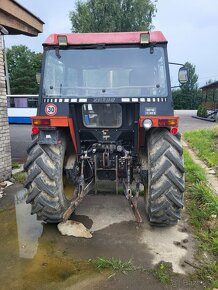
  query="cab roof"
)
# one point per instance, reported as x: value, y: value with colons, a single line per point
x: 106, y: 38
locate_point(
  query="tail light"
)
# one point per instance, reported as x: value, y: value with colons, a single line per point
x: 168, y: 122
x: 174, y: 130
x: 41, y: 122
x: 35, y: 131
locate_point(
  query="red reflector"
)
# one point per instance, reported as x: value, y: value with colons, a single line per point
x: 167, y: 122
x: 174, y: 131
x: 41, y: 122
x: 35, y: 130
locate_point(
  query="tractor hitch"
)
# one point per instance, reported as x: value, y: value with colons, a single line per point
x: 76, y: 202
x: 133, y: 200
x: 80, y: 191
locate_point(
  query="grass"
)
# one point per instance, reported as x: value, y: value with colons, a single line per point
x: 205, y: 143
x: 163, y: 272
x: 15, y: 165
x: 202, y: 206
x: 114, y: 264
x: 20, y: 177
x: 209, y: 273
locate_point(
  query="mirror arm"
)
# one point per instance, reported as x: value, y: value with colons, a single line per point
x: 176, y: 87
x: 176, y: 63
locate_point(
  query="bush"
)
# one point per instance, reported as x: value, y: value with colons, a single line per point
x: 202, y: 111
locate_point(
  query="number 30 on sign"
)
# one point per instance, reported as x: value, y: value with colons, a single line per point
x: 50, y: 109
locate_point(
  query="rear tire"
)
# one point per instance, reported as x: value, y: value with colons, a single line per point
x: 165, y: 187
x: 44, y: 182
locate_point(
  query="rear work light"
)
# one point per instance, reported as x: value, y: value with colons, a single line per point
x: 168, y: 122
x: 62, y: 40
x: 144, y: 38
x: 41, y: 122
x: 147, y: 124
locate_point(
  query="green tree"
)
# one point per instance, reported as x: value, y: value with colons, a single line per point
x: 113, y: 15
x: 22, y: 66
x: 188, y: 97
x: 192, y: 84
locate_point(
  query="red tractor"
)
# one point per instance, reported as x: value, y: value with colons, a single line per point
x: 106, y: 114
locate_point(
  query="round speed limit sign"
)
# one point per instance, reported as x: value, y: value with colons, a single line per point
x: 50, y: 109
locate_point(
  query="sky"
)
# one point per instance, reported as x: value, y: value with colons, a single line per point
x: 190, y: 26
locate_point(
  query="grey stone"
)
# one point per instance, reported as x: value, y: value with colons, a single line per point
x: 73, y: 228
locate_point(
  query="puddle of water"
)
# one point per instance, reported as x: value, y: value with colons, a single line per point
x: 28, y: 228
x: 29, y: 258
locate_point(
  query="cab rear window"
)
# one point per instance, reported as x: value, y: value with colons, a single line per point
x: 102, y: 115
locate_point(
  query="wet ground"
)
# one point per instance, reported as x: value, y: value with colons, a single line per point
x: 36, y: 256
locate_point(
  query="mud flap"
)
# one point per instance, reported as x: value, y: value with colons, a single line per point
x: 48, y: 136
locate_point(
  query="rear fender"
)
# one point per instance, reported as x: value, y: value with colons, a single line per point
x: 50, y: 133
x: 156, y: 122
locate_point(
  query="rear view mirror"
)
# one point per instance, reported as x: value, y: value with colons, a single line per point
x: 183, y: 75
x: 38, y: 77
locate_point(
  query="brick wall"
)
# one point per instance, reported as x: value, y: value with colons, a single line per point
x: 5, y: 148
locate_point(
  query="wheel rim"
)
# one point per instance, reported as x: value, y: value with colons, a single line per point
x: 68, y: 188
